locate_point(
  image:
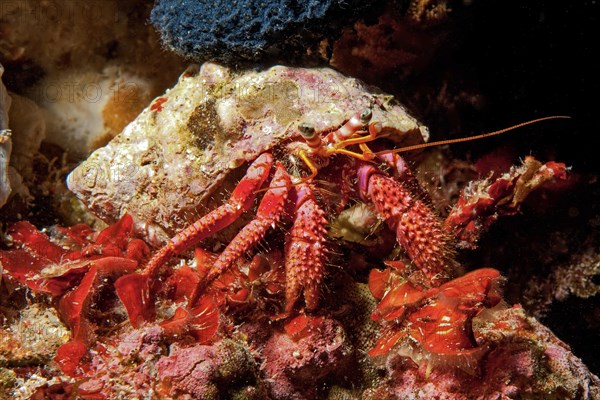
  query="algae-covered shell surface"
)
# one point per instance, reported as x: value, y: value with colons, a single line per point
x: 167, y: 163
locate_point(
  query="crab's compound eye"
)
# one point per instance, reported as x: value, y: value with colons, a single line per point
x: 307, y: 130
x: 365, y: 115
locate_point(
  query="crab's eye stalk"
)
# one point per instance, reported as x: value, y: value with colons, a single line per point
x: 310, y: 136
x: 307, y: 131
x: 365, y: 115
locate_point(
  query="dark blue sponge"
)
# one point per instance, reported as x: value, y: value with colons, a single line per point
x: 234, y: 30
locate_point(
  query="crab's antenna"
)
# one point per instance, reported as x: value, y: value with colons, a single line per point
x: 469, y: 138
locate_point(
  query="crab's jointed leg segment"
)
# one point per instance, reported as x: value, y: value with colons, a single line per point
x: 240, y: 201
x: 311, y: 166
x: 404, y: 174
x: 418, y: 230
x: 268, y: 215
x: 304, y: 255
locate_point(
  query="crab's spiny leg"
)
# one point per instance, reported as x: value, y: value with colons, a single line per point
x: 404, y: 174
x: 304, y: 255
x: 418, y: 229
x: 241, y: 200
x: 268, y: 215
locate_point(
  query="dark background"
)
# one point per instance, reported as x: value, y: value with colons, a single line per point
x: 534, y: 59
x: 537, y: 59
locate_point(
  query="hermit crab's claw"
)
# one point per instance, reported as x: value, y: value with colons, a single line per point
x: 135, y: 290
x: 418, y: 230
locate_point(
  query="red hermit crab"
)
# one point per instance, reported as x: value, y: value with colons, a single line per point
x: 296, y: 141
x: 418, y: 230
